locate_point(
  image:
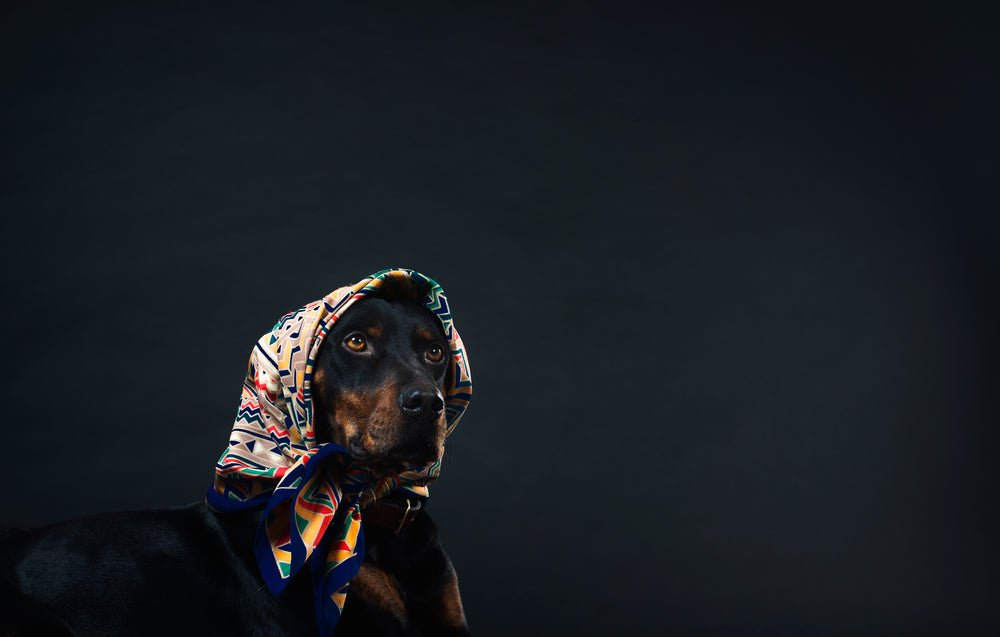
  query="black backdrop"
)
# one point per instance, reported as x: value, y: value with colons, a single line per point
x: 727, y: 278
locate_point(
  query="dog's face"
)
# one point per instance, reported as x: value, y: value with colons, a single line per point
x: 377, y: 385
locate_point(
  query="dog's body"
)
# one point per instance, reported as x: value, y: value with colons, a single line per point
x: 189, y: 569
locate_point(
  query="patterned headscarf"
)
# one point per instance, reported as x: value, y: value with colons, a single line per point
x: 273, y: 458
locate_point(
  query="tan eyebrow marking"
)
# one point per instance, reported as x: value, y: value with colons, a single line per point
x: 374, y: 331
x: 424, y: 333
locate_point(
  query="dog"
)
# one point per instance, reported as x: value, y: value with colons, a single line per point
x: 377, y: 392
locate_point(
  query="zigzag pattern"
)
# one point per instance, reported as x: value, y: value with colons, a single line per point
x: 273, y: 458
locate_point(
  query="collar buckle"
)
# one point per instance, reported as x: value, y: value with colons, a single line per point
x: 403, y: 521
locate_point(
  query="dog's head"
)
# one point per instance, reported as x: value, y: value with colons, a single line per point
x: 378, y: 383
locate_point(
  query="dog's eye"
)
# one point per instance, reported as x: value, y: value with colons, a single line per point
x: 356, y: 343
x: 435, y: 353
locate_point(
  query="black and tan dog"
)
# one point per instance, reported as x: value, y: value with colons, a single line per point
x: 188, y: 570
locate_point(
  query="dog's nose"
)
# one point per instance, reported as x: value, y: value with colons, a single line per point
x: 419, y: 402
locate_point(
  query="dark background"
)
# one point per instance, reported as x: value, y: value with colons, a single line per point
x: 727, y: 278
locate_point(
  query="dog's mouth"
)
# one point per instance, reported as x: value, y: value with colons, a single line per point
x: 357, y: 451
x: 387, y: 447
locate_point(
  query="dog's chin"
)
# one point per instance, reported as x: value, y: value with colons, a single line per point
x: 394, y: 462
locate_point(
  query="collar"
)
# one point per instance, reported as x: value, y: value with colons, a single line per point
x: 394, y: 512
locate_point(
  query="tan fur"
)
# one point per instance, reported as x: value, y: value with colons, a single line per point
x: 379, y: 589
x: 450, y: 611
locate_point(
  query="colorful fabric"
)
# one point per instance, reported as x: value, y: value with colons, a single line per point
x: 273, y: 459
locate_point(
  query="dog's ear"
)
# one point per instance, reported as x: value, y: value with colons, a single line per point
x: 402, y: 288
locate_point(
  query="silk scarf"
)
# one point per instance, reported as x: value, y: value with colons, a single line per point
x: 274, y: 461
